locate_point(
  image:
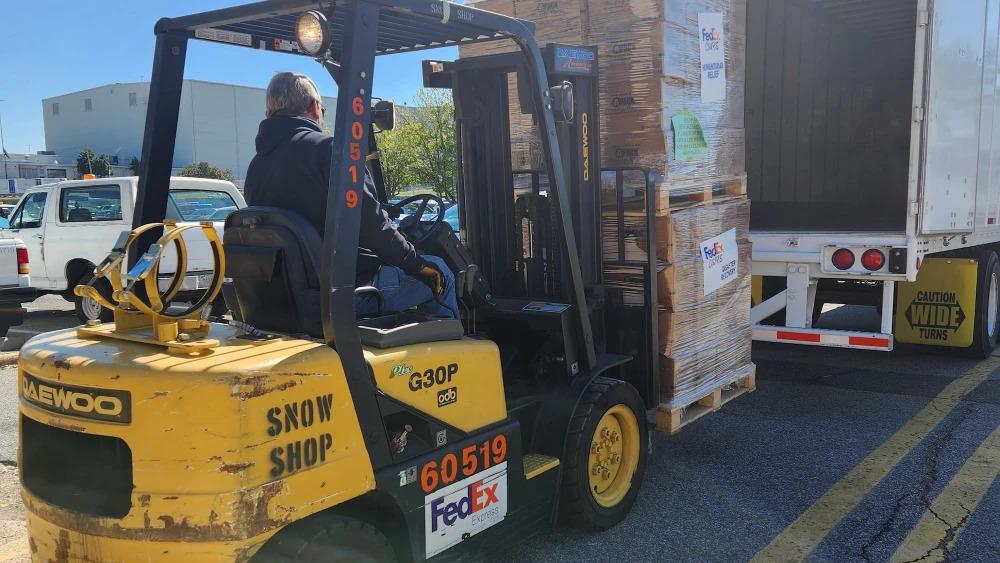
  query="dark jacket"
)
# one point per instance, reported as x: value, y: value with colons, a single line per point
x: 291, y: 170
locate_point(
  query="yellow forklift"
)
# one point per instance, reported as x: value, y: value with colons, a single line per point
x: 300, y: 432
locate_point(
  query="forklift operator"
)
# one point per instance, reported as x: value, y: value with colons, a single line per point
x: 291, y: 170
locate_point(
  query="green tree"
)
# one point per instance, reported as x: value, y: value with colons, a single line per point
x: 87, y: 162
x: 134, y: 165
x: 206, y: 170
x: 437, y: 164
x: 397, y: 150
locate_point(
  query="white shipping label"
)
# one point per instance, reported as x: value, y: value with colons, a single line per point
x: 713, y: 57
x: 720, y: 258
x: 465, y: 508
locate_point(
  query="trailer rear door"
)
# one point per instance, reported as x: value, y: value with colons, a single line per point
x: 954, y: 97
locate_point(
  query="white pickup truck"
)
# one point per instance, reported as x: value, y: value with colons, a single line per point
x: 69, y: 226
x: 15, y: 283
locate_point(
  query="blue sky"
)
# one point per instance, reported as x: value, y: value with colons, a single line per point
x: 53, y: 47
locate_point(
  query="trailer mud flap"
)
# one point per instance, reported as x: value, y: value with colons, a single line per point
x: 939, y: 308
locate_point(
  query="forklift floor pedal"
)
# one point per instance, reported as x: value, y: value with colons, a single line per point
x: 536, y: 464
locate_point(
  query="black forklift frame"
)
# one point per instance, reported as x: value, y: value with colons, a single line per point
x: 360, y: 30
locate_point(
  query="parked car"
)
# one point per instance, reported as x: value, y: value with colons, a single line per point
x: 70, y: 226
x: 450, y: 213
x: 451, y: 217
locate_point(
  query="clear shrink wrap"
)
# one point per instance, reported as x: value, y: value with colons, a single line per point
x: 705, y: 339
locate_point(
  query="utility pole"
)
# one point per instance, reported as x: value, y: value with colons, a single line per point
x: 3, y: 147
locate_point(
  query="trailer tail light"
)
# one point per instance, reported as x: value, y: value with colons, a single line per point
x: 843, y: 259
x: 22, y: 260
x: 873, y: 260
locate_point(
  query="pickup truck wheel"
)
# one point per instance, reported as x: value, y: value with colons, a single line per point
x: 606, y: 455
x: 328, y: 538
x: 87, y: 309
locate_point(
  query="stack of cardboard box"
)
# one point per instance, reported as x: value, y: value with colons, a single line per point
x: 660, y: 113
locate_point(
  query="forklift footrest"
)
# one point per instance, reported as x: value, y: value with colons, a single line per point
x: 536, y: 464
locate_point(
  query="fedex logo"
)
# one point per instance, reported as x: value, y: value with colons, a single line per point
x: 465, y: 508
x: 711, y: 38
x: 711, y: 34
x: 478, y: 497
x: 714, y: 250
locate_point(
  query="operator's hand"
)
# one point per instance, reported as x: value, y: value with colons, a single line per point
x: 432, y: 277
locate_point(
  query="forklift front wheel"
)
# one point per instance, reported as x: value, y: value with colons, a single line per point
x: 606, y: 457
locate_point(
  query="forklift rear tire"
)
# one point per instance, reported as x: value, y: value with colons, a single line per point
x: 88, y: 310
x: 327, y: 538
x: 606, y: 455
x: 987, y: 322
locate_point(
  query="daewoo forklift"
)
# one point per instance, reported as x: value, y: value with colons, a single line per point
x: 300, y: 432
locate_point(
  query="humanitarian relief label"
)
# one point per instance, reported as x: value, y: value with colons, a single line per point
x: 720, y: 259
x: 463, y: 509
x: 108, y: 405
x: 713, y: 57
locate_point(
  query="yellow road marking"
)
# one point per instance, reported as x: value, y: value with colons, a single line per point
x: 937, y: 531
x: 802, y: 536
x: 15, y: 548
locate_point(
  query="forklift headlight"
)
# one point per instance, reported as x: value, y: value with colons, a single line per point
x: 311, y: 32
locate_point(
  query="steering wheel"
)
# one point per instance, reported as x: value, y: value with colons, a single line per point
x: 416, y: 230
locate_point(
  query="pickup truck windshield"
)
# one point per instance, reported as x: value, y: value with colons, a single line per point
x: 199, y: 205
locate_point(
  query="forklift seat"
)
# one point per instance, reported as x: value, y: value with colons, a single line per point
x: 272, y: 258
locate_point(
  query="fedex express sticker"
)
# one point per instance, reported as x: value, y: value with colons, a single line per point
x: 720, y: 260
x: 465, y: 508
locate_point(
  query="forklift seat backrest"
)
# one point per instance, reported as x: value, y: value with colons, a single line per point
x: 272, y: 257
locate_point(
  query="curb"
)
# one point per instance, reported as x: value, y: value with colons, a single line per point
x: 8, y: 359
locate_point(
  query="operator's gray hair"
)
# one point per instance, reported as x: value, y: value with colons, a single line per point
x: 291, y: 93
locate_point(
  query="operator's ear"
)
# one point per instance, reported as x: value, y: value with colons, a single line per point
x: 316, y: 111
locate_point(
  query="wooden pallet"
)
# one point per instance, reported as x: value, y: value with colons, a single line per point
x: 680, y: 197
x: 670, y: 420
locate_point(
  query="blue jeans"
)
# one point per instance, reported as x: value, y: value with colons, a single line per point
x: 401, y: 292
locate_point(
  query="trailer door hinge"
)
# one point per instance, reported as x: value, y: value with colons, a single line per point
x: 923, y: 18
x: 918, y: 113
x: 914, y: 208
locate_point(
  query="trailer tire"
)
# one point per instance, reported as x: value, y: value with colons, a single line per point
x: 327, y: 538
x: 987, y: 321
x: 598, y: 502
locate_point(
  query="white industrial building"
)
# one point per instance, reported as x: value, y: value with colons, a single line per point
x: 20, y: 171
x: 217, y: 124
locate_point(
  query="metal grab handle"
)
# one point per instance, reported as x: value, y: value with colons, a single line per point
x: 146, y: 271
x: 366, y: 289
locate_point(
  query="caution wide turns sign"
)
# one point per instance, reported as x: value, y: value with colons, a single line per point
x: 939, y: 308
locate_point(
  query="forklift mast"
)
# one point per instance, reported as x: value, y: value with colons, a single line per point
x: 511, y: 219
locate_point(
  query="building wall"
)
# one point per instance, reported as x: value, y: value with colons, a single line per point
x: 217, y: 123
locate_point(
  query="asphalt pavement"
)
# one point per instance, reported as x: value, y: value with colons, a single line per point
x: 733, y: 482
x: 840, y: 455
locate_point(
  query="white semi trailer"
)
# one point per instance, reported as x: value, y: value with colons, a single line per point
x: 873, y: 159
